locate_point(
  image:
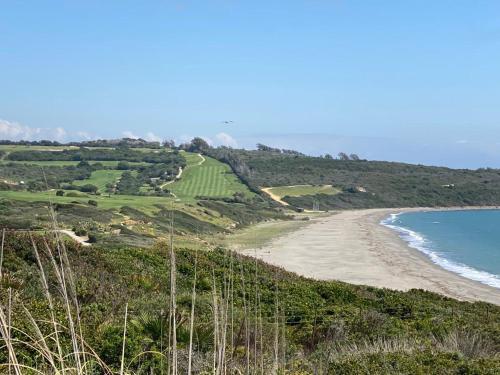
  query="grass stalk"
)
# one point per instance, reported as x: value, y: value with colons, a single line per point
x: 5, y: 332
x: 173, y: 296
x: 45, y: 286
x: 122, y: 362
x: 276, y: 333
x: 245, y: 318
x: 191, y: 323
x: 216, y: 322
x: 1, y: 253
x: 9, y: 320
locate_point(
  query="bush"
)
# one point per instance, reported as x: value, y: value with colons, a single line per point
x: 74, y: 194
x: 89, y: 188
x: 80, y: 231
x: 123, y: 166
x: 92, y: 202
x: 59, y: 193
x: 92, y: 238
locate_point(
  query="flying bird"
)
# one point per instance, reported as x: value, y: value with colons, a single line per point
x: 228, y: 122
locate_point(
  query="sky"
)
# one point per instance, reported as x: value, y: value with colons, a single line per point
x: 414, y: 81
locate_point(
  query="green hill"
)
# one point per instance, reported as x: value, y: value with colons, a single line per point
x: 207, y: 177
x: 364, y: 184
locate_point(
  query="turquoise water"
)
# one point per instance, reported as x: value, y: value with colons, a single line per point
x: 464, y: 242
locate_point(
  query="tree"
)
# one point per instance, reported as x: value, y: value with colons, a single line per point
x: 343, y: 156
x: 262, y: 147
x: 328, y: 156
x: 59, y: 193
x: 83, y: 164
x: 198, y: 145
x: 354, y: 157
x: 168, y: 143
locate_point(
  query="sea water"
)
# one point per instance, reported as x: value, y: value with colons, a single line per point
x: 466, y: 242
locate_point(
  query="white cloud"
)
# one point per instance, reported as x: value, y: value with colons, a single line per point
x: 59, y: 134
x: 151, y: 137
x: 129, y: 134
x: 15, y: 131
x: 225, y: 139
x: 183, y: 138
x: 208, y: 140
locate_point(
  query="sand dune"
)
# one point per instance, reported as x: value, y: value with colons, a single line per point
x: 352, y: 246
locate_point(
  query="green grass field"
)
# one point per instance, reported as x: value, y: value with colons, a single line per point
x: 143, y: 203
x: 150, y: 205
x: 203, y: 176
x: 192, y: 159
x: 300, y: 190
x: 210, y: 178
x: 101, y: 178
x: 37, y: 148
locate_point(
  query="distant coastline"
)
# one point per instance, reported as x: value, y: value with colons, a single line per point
x: 352, y: 246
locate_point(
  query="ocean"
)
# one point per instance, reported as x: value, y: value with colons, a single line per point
x: 465, y: 242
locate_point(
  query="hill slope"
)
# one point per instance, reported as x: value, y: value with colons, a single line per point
x: 365, y: 184
x: 319, y: 326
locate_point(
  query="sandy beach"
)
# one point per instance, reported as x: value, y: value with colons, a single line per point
x: 352, y: 246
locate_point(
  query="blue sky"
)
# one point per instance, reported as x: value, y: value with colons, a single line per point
x: 416, y: 81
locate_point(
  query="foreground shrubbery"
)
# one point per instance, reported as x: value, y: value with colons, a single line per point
x: 252, y: 315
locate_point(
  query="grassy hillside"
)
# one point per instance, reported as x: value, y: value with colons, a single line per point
x: 280, y: 320
x: 299, y: 190
x: 206, y: 177
x: 11, y: 148
x: 128, y: 194
x: 101, y: 178
x: 365, y: 184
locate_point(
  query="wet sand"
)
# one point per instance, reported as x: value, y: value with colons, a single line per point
x: 352, y: 246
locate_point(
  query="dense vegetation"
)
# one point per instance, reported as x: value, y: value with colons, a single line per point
x: 280, y: 320
x: 28, y: 174
x: 122, y: 142
x: 243, y: 212
x: 33, y: 177
x: 85, y: 154
x: 365, y: 183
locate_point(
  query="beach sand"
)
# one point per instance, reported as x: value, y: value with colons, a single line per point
x: 353, y: 246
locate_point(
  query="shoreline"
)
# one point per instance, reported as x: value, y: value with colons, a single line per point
x: 353, y: 246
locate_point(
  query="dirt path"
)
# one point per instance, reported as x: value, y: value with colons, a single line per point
x: 273, y: 196
x: 82, y: 240
x: 278, y: 199
x: 179, y: 174
x: 202, y: 159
